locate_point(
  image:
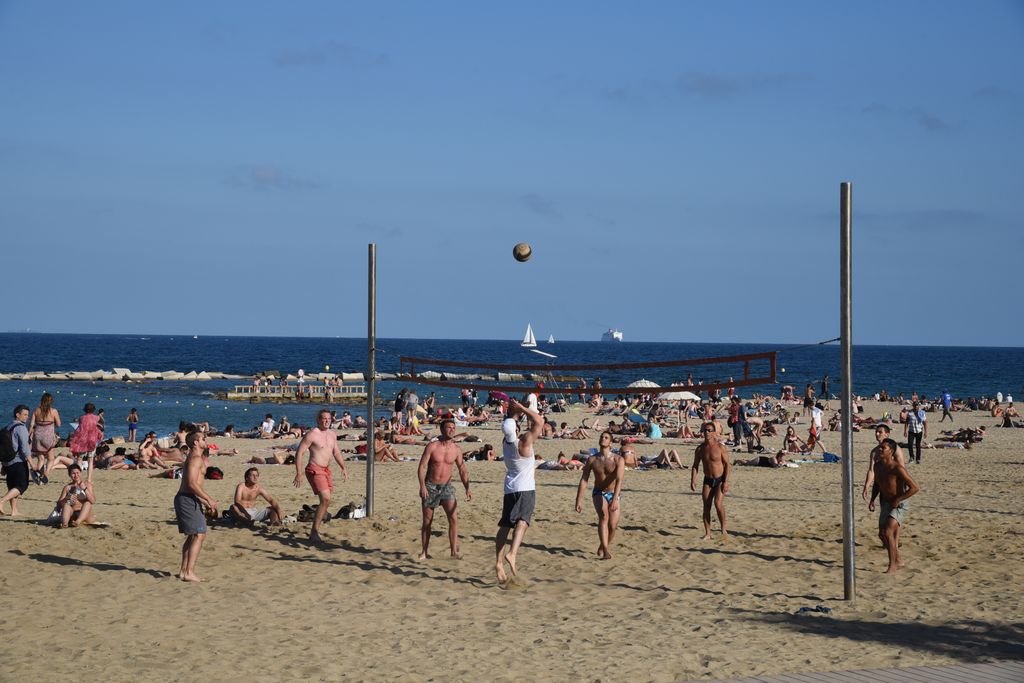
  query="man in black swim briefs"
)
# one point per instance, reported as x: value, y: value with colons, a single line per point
x: 715, y: 460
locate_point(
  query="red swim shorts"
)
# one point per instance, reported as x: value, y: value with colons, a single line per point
x: 320, y: 478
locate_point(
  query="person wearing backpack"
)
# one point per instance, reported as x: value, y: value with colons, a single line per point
x: 15, y: 452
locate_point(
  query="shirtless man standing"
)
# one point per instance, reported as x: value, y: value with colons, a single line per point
x: 189, y: 502
x: 712, y: 455
x: 435, y: 474
x: 322, y: 444
x: 247, y: 494
x: 895, y: 485
x: 520, y: 489
x: 609, y: 470
x: 881, y: 434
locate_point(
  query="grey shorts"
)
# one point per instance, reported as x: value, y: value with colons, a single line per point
x: 259, y: 514
x: 885, y: 511
x: 516, y: 507
x: 189, y: 510
x: 438, y: 493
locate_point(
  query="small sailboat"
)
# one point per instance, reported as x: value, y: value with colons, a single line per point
x: 529, y: 341
x: 551, y: 339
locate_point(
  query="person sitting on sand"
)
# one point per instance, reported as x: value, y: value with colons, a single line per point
x: 149, y: 456
x: 382, y: 452
x: 578, y: 434
x: 267, y: 427
x: 245, y: 510
x: 76, y: 500
x: 792, y: 442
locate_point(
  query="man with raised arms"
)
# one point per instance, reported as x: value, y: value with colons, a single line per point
x: 189, y: 502
x: 895, y: 485
x: 881, y: 434
x: 247, y: 494
x: 520, y: 495
x: 435, y: 474
x: 322, y: 444
x: 712, y: 455
x: 609, y: 470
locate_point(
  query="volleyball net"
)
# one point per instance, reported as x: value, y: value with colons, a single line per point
x: 749, y: 369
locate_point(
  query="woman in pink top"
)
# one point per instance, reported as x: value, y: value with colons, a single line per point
x: 88, y: 435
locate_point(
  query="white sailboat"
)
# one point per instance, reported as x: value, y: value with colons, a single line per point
x: 551, y: 339
x: 529, y: 341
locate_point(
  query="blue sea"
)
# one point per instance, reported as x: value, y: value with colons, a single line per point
x: 964, y: 371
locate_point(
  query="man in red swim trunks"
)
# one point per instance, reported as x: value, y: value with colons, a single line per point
x: 322, y: 443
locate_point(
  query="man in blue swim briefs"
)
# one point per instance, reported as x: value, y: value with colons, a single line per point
x: 712, y: 455
x: 609, y: 470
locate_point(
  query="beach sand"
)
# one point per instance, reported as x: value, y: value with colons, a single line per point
x: 101, y: 603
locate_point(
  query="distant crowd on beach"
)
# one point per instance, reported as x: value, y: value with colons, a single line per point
x: 713, y: 424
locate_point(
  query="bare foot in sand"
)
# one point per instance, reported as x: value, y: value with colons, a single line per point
x: 456, y: 554
x: 423, y: 556
x: 706, y: 537
x: 511, y: 559
x: 499, y: 570
x: 191, y: 578
x: 315, y: 539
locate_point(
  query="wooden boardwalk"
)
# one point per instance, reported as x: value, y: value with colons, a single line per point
x: 994, y: 672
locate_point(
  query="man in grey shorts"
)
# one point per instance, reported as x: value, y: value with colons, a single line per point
x: 435, y: 474
x: 188, y: 504
x: 894, y: 485
x: 520, y: 486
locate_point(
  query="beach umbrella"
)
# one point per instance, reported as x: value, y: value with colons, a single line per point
x: 643, y: 384
x: 678, y: 396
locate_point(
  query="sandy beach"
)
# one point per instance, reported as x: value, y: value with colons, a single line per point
x: 101, y: 603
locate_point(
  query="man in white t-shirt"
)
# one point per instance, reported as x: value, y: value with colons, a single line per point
x: 267, y: 428
x: 520, y: 495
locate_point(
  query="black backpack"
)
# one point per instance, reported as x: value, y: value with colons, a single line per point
x: 7, y: 450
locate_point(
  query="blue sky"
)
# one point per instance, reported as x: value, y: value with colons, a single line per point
x: 219, y: 168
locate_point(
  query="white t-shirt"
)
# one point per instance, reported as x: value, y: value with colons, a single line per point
x: 816, y: 417
x: 268, y: 426
x: 519, y: 470
x: 531, y: 401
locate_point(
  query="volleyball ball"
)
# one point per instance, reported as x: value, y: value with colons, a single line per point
x: 522, y: 252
